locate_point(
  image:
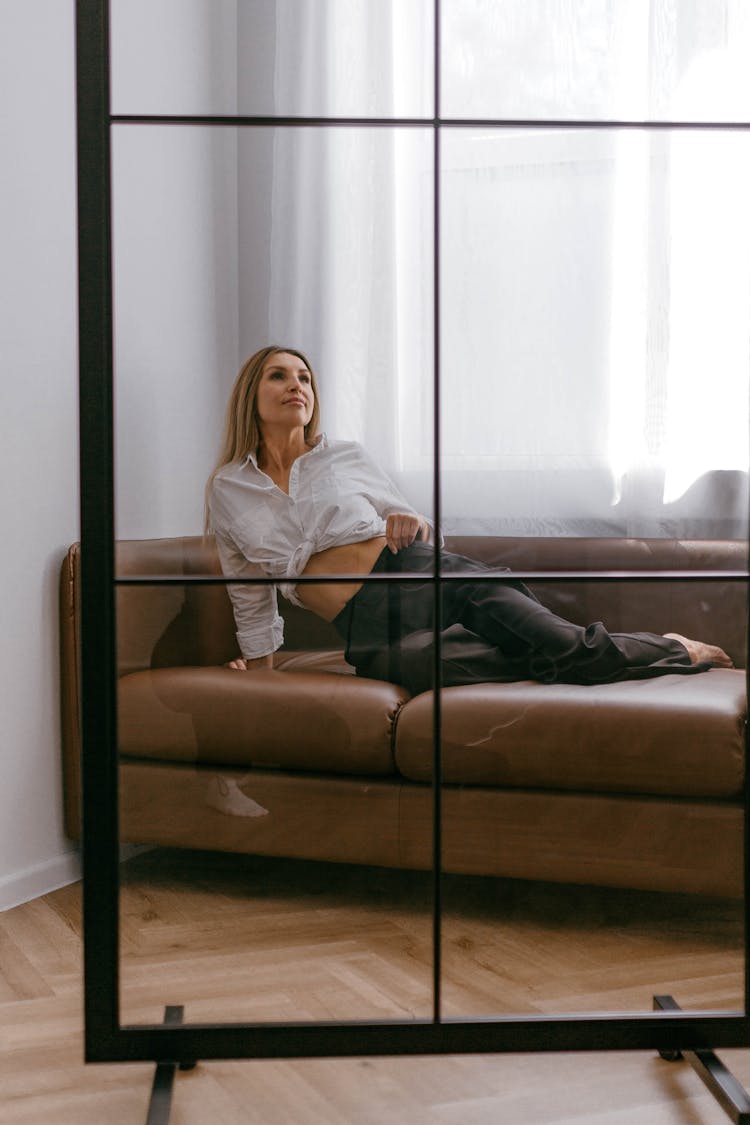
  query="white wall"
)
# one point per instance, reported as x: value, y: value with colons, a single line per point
x: 38, y: 422
x: 175, y: 258
x: 177, y: 307
x: 256, y: 44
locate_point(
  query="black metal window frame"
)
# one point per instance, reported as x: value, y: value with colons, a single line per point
x: 106, y: 1039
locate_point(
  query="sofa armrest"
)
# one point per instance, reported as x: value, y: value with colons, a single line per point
x: 70, y: 691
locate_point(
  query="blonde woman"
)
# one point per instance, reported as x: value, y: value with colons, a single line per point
x: 286, y: 501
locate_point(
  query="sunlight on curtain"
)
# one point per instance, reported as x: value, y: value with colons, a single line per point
x: 709, y: 354
x: 595, y: 285
x: 350, y: 254
x: 710, y: 295
x: 680, y: 323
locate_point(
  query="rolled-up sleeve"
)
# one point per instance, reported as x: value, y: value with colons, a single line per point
x: 380, y: 489
x: 385, y: 497
x: 260, y: 626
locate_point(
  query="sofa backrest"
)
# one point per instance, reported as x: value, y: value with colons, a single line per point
x: 715, y: 611
x: 192, y: 624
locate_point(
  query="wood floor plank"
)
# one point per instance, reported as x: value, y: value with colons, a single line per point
x: 19, y: 979
x: 243, y: 938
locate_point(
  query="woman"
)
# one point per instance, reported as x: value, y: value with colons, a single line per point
x: 285, y: 501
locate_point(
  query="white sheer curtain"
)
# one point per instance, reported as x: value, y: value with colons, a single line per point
x: 679, y: 352
x: 595, y: 335
x: 349, y: 260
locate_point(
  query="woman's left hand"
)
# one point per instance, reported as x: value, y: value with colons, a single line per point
x: 402, y: 528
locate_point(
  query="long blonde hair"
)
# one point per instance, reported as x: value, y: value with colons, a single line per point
x: 241, y: 428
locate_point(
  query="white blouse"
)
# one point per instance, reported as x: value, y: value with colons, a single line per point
x: 337, y: 495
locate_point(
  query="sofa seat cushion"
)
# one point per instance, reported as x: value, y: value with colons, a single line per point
x: 676, y: 735
x: 325, y: 660
x: 303, y: 720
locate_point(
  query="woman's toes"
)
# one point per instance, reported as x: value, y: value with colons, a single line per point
x: 719, y: 657
x: 701, y: 653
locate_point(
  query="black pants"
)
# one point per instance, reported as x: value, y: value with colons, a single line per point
x: 492, y: 631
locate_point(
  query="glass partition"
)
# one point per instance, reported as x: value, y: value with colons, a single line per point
x: 588, y: 286
x: 223, y: 242
x: 338, y: 58
x: 637, y: 60
x: 595, y: 331
x: 538, y: 332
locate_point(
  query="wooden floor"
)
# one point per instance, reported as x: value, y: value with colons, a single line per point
x: 234, y: 937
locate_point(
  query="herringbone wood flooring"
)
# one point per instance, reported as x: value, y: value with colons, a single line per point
x: 233, y: 937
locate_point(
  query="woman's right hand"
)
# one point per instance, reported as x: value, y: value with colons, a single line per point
x: 243, y: 665
x: 402, y: 528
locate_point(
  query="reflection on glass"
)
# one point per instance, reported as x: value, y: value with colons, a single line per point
x: 344, y: 58
x: 253, y: 938
x: 539, y: 784
x: 571, y: 358
x: 591, y: 281
x: 294, y: 762
x: 226, y: 240
x: 294, y: 757
x: 604, y: 783
x: 629, y: 59
x: 573, y: 411
x: 175, y: 222
x: 530, y: 948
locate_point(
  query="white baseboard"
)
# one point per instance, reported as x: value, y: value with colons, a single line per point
x: 40, y: 879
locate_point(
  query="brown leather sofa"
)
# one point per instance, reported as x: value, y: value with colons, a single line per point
x: 636, y: 784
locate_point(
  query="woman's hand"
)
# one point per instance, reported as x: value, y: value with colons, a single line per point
x: 242, y: 665
x: 401, y: 529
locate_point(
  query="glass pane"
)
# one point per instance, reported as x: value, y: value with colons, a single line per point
x: 531, y: 948
x: 175, y: 249
x: 253, y: 938
x: 591, y: 282
x: 227, y: 240
x: 270, y: 798
x: 356, y: 58
x: 600, y: 59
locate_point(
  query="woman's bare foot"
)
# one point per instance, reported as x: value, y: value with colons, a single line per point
x: 700, y: 653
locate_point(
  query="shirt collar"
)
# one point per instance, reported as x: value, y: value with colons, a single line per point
x: 320, y: 441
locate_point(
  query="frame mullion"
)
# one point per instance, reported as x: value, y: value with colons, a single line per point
x: 437, y: 614
x: 98, y: 695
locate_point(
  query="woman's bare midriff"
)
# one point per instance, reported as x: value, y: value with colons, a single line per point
x: 328, y: 599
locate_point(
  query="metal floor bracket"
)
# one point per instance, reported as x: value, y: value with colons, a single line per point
x: 160, y: 1105
x: 731, y: 1096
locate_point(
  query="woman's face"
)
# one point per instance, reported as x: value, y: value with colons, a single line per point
x: 285, y: 396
